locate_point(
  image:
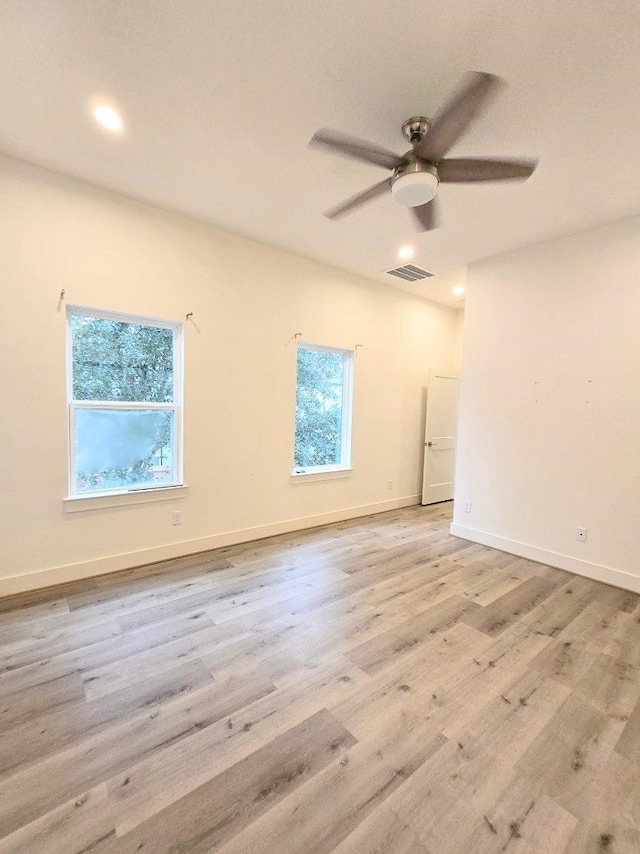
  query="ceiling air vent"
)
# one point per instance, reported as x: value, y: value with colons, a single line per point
x: 410, y: 273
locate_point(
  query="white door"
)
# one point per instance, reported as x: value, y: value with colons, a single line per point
x: 440, y: 436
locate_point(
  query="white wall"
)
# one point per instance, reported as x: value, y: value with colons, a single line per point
x: 458, y: 342
x: 248, y: 301
x: 549, y: 434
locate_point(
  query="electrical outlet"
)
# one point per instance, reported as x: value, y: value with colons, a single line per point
x: 176, y: 517
x: 389, y: 484
x: 581, y: 535
x: 466, y: 506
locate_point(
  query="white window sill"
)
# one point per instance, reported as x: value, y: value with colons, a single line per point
x: 313, y: 476
x: 79, y: 503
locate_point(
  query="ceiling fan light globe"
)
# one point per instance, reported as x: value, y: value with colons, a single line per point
x: 414, y: 188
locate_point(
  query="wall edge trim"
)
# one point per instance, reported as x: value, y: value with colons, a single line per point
x: 595, y: 571
x: 66, y: 573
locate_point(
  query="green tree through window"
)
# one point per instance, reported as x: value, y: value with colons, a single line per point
x: 322, y: 403
x: 115, y: 360
x: 123, y: 407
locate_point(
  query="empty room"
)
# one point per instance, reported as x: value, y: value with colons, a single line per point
x: 321, y: 379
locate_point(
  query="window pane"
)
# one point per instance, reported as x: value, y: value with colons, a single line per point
x: 319, y: 413
x: 123, y: 448
x: 114, y: 360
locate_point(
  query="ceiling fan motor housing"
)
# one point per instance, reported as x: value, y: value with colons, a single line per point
x: 414, y: 182
x: 414, y: 129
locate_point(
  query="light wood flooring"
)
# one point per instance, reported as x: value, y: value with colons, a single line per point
x: 372, y: 686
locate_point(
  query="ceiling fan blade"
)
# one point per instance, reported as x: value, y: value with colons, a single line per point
x: 359, y: 199
x: 358, y: 149
x: 459, y: 113
x: 472, y: 170
x: 427, y: 217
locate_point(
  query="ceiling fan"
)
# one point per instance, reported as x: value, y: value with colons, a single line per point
x: 417, y: 174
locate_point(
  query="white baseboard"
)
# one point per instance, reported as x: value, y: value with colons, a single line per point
x: 113, y: 563
x: 596, y: 571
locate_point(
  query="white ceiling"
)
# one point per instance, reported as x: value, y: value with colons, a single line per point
x: 220, y: 98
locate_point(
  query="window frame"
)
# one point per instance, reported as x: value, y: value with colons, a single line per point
x: 330, y: 470
x: 175, y: 406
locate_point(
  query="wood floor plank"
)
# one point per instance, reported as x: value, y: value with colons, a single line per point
x: 465, y: 777
x: 569, y: 755
x: 566, y: 661
x: 625, y: 642
x: 628, y: 745
x: 219, y: 809
x: 54, y: 641
x: 615, y: 597
x: 21, y: 707
x: 82, y: 824
x: 382, y: 831
x: 488, y: 585
x: 148, y: 585
x: 462, y: 693
x: 219, y: 588
x: 613, y: 821
x: 319, y: 815
x: 523, y: 820
x: 386, y: 649
x: 346, y: 632
x: 61, y: 727
x: 415, y: 684
x: 190, y: 646
x: 148, y: 641
x: 596, y: 626
x: 14, y: 611
x: 374, y: 685
x: 562, y: 606
x: 55, y: 597
x: 148, y: 786
x: 503, y: 612
x: 45, y: 785
x: 611, y: 686
x: 36, y: 623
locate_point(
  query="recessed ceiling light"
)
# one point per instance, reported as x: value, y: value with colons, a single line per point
x: 406, y: 252
x: 458, y: 290
x: 108, y: 118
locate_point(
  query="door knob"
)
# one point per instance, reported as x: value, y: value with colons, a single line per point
x: 431, y: 444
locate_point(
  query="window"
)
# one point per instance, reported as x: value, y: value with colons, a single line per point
x: 323, y: 409
x: 125, y: 390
